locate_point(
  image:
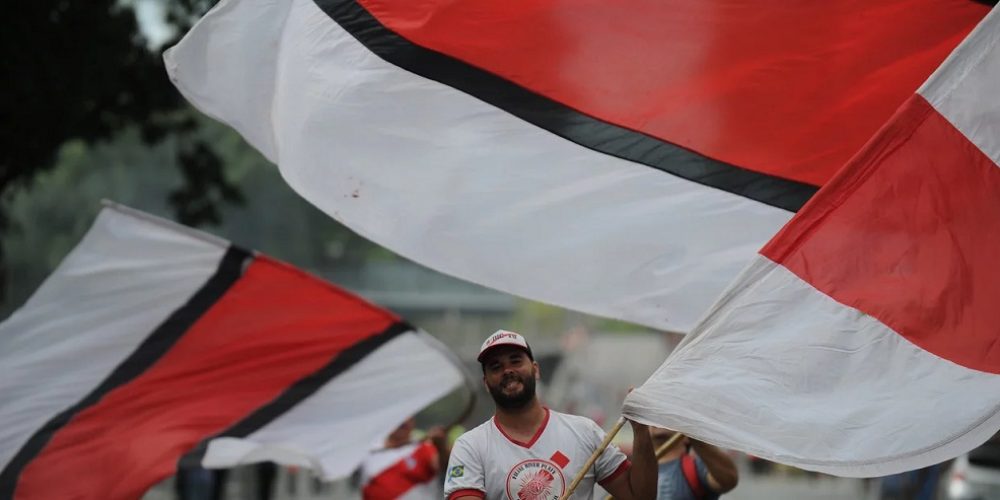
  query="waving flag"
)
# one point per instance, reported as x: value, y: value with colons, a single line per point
x: 624, y: 159
x: 152, y: 342
x: 864, y: 338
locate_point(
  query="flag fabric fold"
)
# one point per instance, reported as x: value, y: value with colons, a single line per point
x: 152, y: 343
x: 863, y: 339
x: 623, y: 160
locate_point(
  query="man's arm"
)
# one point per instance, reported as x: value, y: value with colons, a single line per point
x: 464, y: 479
x: 722, y: 474
x: 639, y: 481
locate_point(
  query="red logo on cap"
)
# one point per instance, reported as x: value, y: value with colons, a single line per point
x: 497, y: 337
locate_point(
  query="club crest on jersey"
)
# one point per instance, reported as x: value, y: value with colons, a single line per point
x: 535, y: 480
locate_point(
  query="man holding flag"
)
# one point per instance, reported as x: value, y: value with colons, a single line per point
x: 529, y: 451
x: 861, y: 341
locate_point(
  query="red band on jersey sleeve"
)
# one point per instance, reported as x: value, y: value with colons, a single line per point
x: 619, y: 471
x: 466, y: 493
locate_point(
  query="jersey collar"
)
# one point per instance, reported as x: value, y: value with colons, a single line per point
x: 538, y: 433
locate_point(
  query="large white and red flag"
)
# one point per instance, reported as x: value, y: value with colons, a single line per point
x: 152, y: 342
x: 864, y: 339
x: 624, y: 159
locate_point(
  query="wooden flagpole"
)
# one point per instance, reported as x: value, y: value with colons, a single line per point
x: 593, y: 458
x: 665, y: 447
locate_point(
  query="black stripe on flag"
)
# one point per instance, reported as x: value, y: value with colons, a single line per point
x: 562, y: 120
x: 301, y: 390
x: 146, y: 355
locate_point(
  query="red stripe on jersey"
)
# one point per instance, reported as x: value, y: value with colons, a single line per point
x: 466, y: 493
x: 625, y: 465
x: 534, y: 438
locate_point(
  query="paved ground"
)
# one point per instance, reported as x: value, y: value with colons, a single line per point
x: 783, y: 487
x: 780, y: 486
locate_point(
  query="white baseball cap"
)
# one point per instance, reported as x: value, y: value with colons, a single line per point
x: 502, y: 338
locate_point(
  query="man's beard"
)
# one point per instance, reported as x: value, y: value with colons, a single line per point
x: 513, y: 401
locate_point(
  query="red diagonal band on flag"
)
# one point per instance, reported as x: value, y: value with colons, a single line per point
x: 720, y: 78
x: 928, y: 271
x: 237, y: 357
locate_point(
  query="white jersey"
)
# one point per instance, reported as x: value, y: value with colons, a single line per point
x: 485, y: 462
x: 404, y: 473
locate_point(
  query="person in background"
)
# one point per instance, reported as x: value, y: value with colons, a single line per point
x: 194, y: 482
x: 199, y: 483
x: 406, y: 469
x: 704, y: 475
x: 919, y: 484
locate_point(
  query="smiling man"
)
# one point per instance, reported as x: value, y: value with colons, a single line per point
x: 527, y: 451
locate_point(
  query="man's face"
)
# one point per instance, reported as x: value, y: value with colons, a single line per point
x: 509, y: 375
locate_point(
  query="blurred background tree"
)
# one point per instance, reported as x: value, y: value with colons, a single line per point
x: 84, y: 73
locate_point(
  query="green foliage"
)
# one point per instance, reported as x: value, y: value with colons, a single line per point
x: 83, y: 72
x: 51, y: 217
